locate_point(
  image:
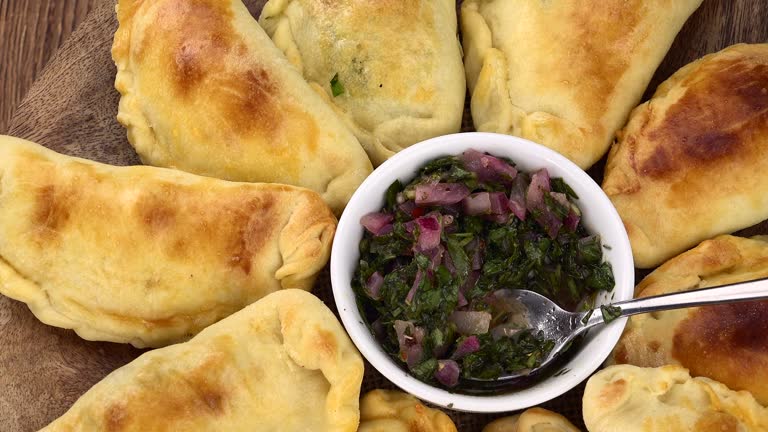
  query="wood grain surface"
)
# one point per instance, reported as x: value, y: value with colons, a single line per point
x: 71, y: 108
x: 30, y: 32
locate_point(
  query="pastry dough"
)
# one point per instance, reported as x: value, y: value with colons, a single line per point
x: 728, y: 342
x: 564, y: 73
x: 395, y: 411
x: 398, y: 61
x: 283, y: 364
x: 692, y: 162
x: 532, y: 420
x: 147, y: 255
x: 666, y: 399
x: 205, y: 90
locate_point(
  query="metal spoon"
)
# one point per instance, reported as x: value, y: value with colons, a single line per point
x: 562, y: 327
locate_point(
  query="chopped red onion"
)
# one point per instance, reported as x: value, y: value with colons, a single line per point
x: 440, y: 193
x: 572, y: 220
x: 377, y: 223
x: 429, y: 232
x: 539, y: 185
x: 487, y: 167
x: 471, y: 322
x: 499, y: 203
x: 549, y: 220
x: 413, y: 355
x: 409, y: 338
x: 412, y: 292
x: 477, y: 204
x: 467, y: 346
x: 447, y: 373
x: 407, y: 207
x: 517, y: 198
x: 373, y: 285
x: 462, y: 300
x: 435, y: 256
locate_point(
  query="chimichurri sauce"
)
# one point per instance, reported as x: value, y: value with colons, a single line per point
x: 436, y: 264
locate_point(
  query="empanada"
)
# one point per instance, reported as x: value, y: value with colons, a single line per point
x: 147, y: 255
x: 564, y: 73
x: 206, y: 91
x: 692, y: 162
x: 532, y: 420
x: 728, y: 343
x: 283, y: 364
x: 396, y: 65
x: 666, y: 399
x: 395, y: 411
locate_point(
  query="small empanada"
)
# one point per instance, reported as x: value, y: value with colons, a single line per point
x: 395, y: 411
x: 728, y: 343
x: 206, y: 91
x: 283, y: 364
x: 397, y: 64
x: 532, y: 420
x: 147, y: 255
x: 564, y: 73
x: 666, y: 399
x: 692, y: 162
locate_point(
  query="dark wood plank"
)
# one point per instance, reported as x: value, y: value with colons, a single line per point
x: 30, y: 32
x: 72, y: 107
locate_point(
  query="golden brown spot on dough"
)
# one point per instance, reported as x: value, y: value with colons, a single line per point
x: 654, y: 346
x: 725, y: 103
x: 254, y: 230
x: 157, y: 217
x: 52, y: 212
x: 326, y: 343
x: 202, y: 33
x: 209, y: 60
x: 253, y: 102
x: 621, y: 356
x: 726, y: 343
x: 612, y: 391
x: 713, y: 421
x: 599, y: 56
x: 115, y: 418
x: 165, y: 401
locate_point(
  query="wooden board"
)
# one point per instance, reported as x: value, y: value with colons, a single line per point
x: 72, y: 108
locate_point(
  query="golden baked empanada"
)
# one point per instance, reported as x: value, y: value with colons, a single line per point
x: 692, y: 162
x: 632, y: 399
x: 205, y: 90
x: 728, y: 343
x: 395, y: 411
x: 283, y: 364
x: 147, y: 255
x: 395, y: 65
x: 532, y: 420
x: 564, y: 73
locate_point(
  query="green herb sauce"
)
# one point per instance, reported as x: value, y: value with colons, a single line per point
x: 480, y: 257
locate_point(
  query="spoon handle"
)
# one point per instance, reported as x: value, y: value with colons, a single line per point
x: 731, y: 293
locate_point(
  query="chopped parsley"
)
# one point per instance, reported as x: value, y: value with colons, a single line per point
x: 336, y: 87
x: 610, y: 312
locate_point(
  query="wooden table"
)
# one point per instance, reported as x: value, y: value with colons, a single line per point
x: 30, y: 33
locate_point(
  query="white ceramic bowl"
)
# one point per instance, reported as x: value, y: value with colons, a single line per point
x: 598, y: 215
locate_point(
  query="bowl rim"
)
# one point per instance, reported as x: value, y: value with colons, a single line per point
x: 425, y: 151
